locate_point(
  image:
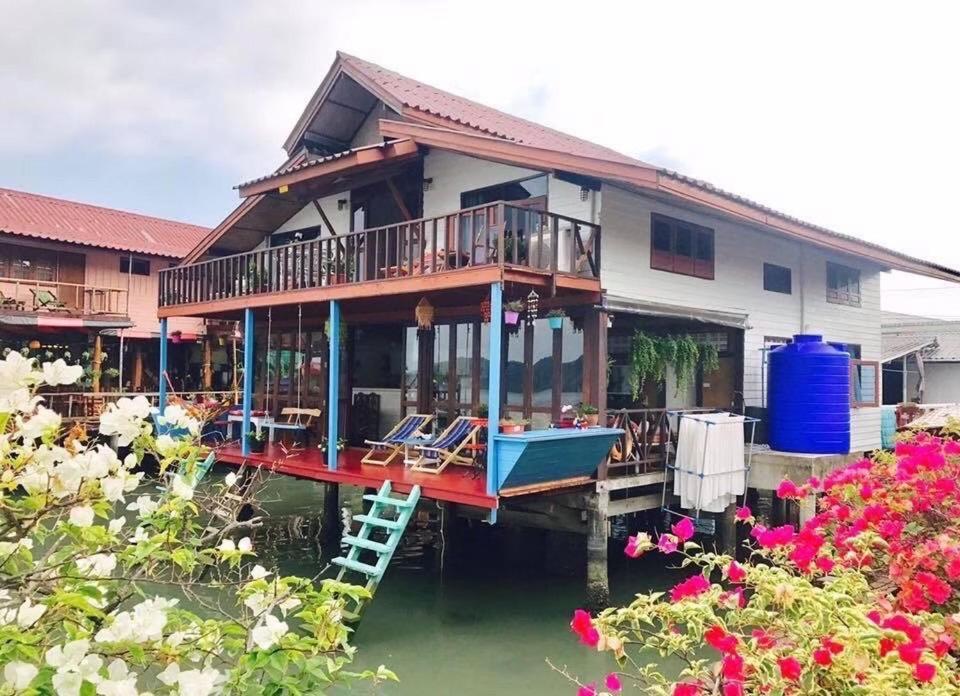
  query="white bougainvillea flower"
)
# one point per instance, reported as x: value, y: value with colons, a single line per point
x: 68, y: 656
x: 176, y: 417
x: 119, y: 681
x: 230, y: 479
x: 126, y: 419
x: 16, y: 674
x: 99, y: 565
x: 227, y: 546
x: 259, y: 572
x: 81, y: 515
x: 199, y: 682
x: 33, y: 479
x: 112, y: 488
x: 257, y: 603
x: 169, y: 675
x: 288, y: 604
x: 245, y: 545
x: 17, y: 372
x: 43, y: 422
x: 29, y: 613
x: 139, y: 535
x: 116, y: 525
x: 180, y: 488
x: 269, y: 632
x: 58, y: 372
x: 18, y: 401
x: 144, y: 505
x: 166, y: 446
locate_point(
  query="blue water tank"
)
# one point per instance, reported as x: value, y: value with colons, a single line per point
x: 808, y: 395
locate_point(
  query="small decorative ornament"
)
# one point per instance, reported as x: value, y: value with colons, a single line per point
x: 485, y: 310
x: 533, y: 306
x: 424, y: 314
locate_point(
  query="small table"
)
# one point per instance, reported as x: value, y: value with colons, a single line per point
x: 256, y: 421
x: 410, y: 454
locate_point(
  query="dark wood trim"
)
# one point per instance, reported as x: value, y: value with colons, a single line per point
x: 398, y: 199
x: 476, y: 367
x: 528, y: 330
x: 557, y: 375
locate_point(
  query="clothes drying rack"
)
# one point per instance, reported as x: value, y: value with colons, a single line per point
x: 707, y: 525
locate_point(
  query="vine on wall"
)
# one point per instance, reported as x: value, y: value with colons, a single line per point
x: 651, y: 355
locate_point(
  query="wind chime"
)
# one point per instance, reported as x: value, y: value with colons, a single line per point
x: 533, y: 307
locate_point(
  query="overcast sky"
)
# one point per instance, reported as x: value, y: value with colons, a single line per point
x: 844, y: 114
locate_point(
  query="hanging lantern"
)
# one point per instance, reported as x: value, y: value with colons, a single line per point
x: 533, y: 306
x: 34, y: 345
x: 485, y: 310
x: 424, y: 314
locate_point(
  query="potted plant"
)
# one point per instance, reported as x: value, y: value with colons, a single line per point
x: 555, y: 318
x: 590, y: 415
x: 508, y: 426
x: 568, y: 417
x: 480, y: 418
x: 338, y: 269
x: 322, y: 445
x: 257, y: 440
x: 511, y: 312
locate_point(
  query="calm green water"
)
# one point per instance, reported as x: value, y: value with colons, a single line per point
x: 486, y: 623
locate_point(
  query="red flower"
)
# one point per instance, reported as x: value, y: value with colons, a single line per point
x: 583, y: 626
x: 587, y: 690
x: 822, y: 657
x: 613, y: 682
x: 937, y: 590
x: 886, y: 645
x: 733, y: 667
x: 720, y: 640
x: 925, y: 672
x: 824, y: 563
x: 735, y: 572
x: 744, y: 514
x: 953, y: 568
x: 733, y: 688
x: 790, y: 668
x: 910, y: 652
x: 691, y: 587
x: 764, y: 640
x: 832, y: 646
x: 683, y: 529
x: 686, y: 689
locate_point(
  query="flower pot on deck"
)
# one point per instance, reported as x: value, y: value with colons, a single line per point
x: 511, y: 318
x: 511, y: 428
x: 592, y: 419
x: 555, y: 322
x: 257, y: 446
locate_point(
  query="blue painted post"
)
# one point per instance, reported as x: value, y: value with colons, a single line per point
x: 333, y: 386
x: 162, y: 398
x: 493, y: 383
x: 247, y: 379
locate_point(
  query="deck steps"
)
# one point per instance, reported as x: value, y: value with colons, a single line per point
x: 381, y: 504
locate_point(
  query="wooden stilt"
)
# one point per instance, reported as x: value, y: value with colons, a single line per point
x: 96, y: 363
x: 331, y: 528
x: 137, y: 381
x: 207, y: 363
x: 727, y: 530
x: 598, y: 582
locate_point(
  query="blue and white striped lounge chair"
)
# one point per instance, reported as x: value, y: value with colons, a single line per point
x: 445, y: 450
x: 382, y: 452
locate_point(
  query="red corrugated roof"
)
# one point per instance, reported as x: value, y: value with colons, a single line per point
x: 436, y: 102
x: 57, y: 220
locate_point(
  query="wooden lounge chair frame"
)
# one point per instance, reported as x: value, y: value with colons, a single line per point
x: 47, y: 299
x: 392, y: 444
x: 10, y: 303
x: 443, y: 456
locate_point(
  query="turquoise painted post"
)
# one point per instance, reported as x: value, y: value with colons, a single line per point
x: 247, y: 379
x: 333, y: 386
x: 162, y: 398
x: 493, y: 383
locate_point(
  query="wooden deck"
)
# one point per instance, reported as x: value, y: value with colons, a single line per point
x: 455, y: 485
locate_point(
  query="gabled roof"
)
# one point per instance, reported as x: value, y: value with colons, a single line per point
x: 57, y: 220
x: 938, y: 340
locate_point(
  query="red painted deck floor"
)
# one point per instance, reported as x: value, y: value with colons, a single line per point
x: 456, y: 484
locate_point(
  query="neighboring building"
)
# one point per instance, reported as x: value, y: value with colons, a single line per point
x: 921, y: 359
x: 392, y: 186
x: 75, y: 277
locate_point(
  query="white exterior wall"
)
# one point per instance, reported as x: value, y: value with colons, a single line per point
x: 941, y: 383
x: 740, y: 253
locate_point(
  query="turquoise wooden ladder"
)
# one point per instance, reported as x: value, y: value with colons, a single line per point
x: 382, y: 502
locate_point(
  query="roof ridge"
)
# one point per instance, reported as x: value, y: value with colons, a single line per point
x: 113, y: 211
x: 365, y: 67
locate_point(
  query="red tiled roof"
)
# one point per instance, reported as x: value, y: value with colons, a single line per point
x: 57, y: 220
x: 458, y: 110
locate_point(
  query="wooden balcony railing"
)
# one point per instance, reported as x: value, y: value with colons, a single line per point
x: 490, y: 234
x: 23, y: 295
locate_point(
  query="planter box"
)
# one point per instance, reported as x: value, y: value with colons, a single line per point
x: 512, y: 428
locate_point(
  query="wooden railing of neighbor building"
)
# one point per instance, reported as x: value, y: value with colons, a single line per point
x: 644, y: 444
x: 29, y: 295
x: 491, y: 234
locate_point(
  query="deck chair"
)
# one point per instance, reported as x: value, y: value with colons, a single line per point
x: 10, y: 303
x: 296, y: 419
x: 446, y: 449
x: 46, y: 299
x: 384, y: 451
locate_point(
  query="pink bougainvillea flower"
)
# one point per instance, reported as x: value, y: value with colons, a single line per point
x: 735, y: 572
x: 732, y: 667
x: 667, y: 543
x: 822, y: 657
x: 886, y: 645
x: 744, y: 514
x: 790, y: 668
x: 925, y: 672
x: 788, y: 489
x: 587, y: 690
x: 778, y: 536
x: 612, y: 682
x: 825, y: 563
x: 719, y: 639
x: 937, y: 590
x: 765, y: 641
x: 733, y: 688
x: 686, y: 689
x: 832, y: 646
x: 638, y: 545
x: 683, y: 529
x: 910, y: 652
x: 693, y: 586
x: 582, y: 625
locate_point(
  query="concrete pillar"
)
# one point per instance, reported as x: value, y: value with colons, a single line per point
x: 808, y: 508
x: 727, y: 530
x: 763, y: 508
x: 331, y: 527
x: 598, y: 582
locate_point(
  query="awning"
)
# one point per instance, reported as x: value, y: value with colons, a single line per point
x: 625, y: 305
x: 893, y: 347
x: 49, y: 321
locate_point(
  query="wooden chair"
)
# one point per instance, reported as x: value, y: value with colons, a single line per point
x: 393, y: 442
x: 46, y: 299
x: 446, y: 449
x: 10, y: 303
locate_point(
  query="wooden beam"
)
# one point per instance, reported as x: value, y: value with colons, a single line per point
x: 398, y: 199
x: 637, y: 504
x: 323, y: 216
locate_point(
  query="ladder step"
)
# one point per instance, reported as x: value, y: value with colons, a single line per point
x: 388, y: 500
x: 357, y: 566
x: 378, y: 522
x: 365, y: 544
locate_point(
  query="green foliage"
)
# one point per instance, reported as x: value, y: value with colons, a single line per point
x: 651, y: 355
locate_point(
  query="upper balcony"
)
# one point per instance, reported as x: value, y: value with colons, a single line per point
x: 470, y: 246
x: 32, y: 302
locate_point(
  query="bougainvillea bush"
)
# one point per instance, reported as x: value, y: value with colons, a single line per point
x: 863, y: 599
x: 111, y: 586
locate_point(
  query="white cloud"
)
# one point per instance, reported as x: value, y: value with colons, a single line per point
x: 841, y: 113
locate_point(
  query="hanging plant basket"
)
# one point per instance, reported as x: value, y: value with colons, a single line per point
x: 555, y: 318
x: 511, y: 312
x: 424, y: 314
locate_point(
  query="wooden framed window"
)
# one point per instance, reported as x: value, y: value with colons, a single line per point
x: 864, y: 383
x: 681, y: 247
x: 134, y: 265
x: 843, y: 284
x: 777, y: 278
